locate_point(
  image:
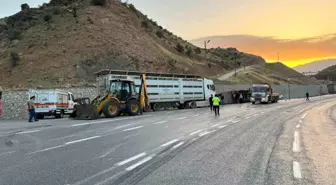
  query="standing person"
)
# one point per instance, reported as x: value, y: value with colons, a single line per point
x: 216, y: 102
x: 307, y: 96
x: 222, y: 100
x: 241, y: 98
x: 0, y: 103
x: 31, y: 109
x: 211, y: 103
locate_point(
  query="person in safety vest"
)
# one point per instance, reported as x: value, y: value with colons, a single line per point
x: 216, y: 102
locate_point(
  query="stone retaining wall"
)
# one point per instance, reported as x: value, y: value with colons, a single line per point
x: 15, y: 102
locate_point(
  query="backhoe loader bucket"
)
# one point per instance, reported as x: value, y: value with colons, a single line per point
x: 84, y: 110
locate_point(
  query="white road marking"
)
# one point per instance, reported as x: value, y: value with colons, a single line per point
x: 300, y: 121
x: 160, y: 122
x: 170, y: 142
x: 6, y: 153
x: 178, y: 145
x: 46, y: 149
x: 81, y: 140
x: 133, y: 128
x: 236, y: 121
x: 229, y: 120
x: 110, y: 151
x: 298, y: 126
x: 139, y: 163
x: 130, y: 159
x: 28, y: 131
x: 248, y: 117
x: 108, y: 179
x: 203, y: 134
x: 297, y: 170
x: 215, y: 125
x: 95, y: 175
x: 196, y: 132
x: 61, y: 138
x: 262, y: 112
x: 222, y: 126
x: 304, y: 116
x: 196, y: 115
x: 296, y: 142
x: 255, y: 114
x: 181, y: 118
x: 106, y: 121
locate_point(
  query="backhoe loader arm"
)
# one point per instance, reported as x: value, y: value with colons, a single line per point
x: 143, y: 94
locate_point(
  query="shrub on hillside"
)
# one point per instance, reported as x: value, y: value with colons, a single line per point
x: 189, y: 52
x: 197, y: 50
x: 24, y: 7
x: 15, y: 58
x: 56, y: 10
x: 14, y: 34
x: 47, y: 18
x: 145, y: 24
x: 99, y: 2
x: 159, y: 33
x: 179, y: 48
x: 132, y: 7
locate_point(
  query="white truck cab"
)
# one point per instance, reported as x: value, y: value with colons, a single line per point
x: 52, y: 103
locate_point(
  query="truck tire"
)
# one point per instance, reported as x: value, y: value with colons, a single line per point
x: 193, y: 105
x: 253, y: 103
x: 133, y: 107
x: 61, y: 115
x: 111, y: 109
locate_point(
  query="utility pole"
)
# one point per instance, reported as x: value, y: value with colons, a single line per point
x: 278, y: 57
x: 288, y: 89
x: 205, y: 48
x: 235, y: 66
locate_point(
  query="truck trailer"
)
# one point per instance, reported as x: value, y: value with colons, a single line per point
x: 263, y: 93
x: 52, y: 102
x: 166, y: 90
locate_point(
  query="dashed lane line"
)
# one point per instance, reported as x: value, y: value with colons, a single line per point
x: 160, y: 122
x: 196, y: 132
x: 139, y: 163
x: 215, y: 125
x: 106, y: 121
x: 133, y: 128
x: 28, y: 131
x: 297, y: 170
x: 130, y: 159
x: 81, y: 140
x: 169, y: 142
x: 304, y: 116
x: 178, y: 145
x: 222, y: 126
x: 296, y: 142
x: 181, y: 118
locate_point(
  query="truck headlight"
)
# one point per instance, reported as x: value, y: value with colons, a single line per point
x: 252, y: 99
x: 263, y: 99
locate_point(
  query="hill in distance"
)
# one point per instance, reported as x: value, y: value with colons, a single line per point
x: 62, y: 43
x: 315, y: 66
x: 328, y: 73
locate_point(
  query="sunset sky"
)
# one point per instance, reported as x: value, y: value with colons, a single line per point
x: 285, y: 19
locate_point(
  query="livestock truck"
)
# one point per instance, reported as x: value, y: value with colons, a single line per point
x: 263, y: 93
x: 52, y: 102
x: 166, y: 90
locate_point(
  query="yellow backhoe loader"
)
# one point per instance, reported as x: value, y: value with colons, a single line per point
x: 121, y: 98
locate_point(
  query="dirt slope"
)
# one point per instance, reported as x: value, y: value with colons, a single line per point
x: 274, y: 73
x: 62, y: 43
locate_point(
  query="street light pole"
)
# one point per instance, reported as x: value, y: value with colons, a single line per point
x: 289, y: 96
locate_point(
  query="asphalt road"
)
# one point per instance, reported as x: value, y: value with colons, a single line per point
x: 246, y: 144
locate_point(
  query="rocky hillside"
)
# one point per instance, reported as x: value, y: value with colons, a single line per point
x: 273, y: 73
x: 62, y: 43
x: 328, y: 73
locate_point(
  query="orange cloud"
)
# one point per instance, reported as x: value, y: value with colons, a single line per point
x: 291, y: 52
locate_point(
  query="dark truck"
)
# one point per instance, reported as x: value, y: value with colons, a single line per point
x: 263, y: 93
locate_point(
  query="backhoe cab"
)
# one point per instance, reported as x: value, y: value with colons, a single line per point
x: 121, y: 98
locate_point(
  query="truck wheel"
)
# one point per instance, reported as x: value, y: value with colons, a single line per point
x: 40, y: 116
x: 193, y: 104
x: 133, y: 107
x: 253, y: 103
x: 61, y: 115
x: 111, y: 109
